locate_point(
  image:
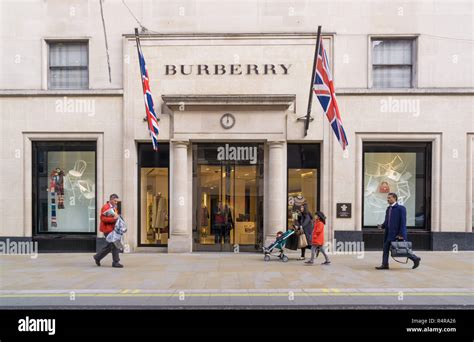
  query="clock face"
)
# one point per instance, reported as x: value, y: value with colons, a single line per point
x: 227, y: 120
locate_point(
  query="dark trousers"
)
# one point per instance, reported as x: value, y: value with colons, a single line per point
x: 221, y: 233
x: 386, y: 252
x: 109, y: 247
x: 303, y: 250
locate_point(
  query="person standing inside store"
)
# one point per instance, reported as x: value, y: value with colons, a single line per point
x: 219, y: 223
x: 317, y: 242
x: 395, y: 226
x: 107, y: 224
x: 305, y: 221
x: 229, y: 223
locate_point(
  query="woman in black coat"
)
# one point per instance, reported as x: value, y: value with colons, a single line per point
x: 305, y: 220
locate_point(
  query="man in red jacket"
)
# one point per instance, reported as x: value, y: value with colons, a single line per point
x: 107, y: 224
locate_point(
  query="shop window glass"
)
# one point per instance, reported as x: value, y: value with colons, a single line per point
x: 302, y: 188
x: 68, y: 65
x: 153, y: 179
x: 228, y: 197
x: 402, y: 170
x: 303, y: 179
x: 65, y: 185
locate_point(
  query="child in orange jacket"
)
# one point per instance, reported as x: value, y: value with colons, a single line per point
x: 317, y: 239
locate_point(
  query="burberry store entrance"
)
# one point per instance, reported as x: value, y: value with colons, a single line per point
x: 228, y: 197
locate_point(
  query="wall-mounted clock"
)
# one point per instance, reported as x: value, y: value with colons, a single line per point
x: 227, y: 120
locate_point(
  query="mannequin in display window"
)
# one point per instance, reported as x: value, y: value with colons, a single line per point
x: 56, y: 188
x: 299, y: 200
x: 160, y: 213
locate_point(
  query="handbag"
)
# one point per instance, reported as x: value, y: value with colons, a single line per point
x: 302, y: 241
x: 400, y: 249
x: 299, y: 231
x: 292, y: 242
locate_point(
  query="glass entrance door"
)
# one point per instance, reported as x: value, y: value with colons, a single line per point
x: 228, y: 204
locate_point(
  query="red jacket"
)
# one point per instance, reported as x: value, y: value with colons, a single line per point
x: 318, y: 234
x: 107, y: 223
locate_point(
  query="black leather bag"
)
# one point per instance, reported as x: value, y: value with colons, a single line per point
x: 400, y: 249
x: 292, y: 242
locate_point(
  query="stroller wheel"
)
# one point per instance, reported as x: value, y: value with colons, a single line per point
x: 284, y: 258
x: 266, y: 258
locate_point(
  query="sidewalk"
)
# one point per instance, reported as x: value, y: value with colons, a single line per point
x: 443, y: 278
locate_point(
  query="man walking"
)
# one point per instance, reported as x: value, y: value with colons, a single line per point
x: 108, y: 218
x: 395, y: 226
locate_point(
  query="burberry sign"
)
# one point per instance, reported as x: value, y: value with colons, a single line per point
x: 227, y: 69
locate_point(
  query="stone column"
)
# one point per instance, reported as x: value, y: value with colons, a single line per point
x: 180, y: 240
x: 276, y: 196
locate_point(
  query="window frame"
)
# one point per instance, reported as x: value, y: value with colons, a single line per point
x: 57, y: 146
x: 403, y: 147
x: 162, y: 164
x: 316, y: 165
x: 48, y: 66
x: 414, y: 59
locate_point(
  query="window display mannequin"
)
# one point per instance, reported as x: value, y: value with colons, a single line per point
x: 299, y: 200
x: 56, y: 187
x: 160, y: 212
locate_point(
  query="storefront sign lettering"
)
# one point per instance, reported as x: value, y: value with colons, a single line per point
x: 239, y: 153
x: 226, y: 69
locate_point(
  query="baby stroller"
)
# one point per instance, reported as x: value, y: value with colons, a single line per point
x: 278, y: 245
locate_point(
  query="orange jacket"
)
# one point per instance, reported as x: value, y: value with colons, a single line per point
x: 107, y: 223
x: 318, y: 234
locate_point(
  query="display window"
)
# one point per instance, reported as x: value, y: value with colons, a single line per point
x: 401, y: 168
x: 303, y: 179
x: 153, y: 171
x: 64, y: 187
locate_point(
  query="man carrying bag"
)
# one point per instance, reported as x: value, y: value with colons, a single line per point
x: 395, y: 234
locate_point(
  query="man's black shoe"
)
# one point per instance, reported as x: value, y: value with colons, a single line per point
x: 416, y: 263
x: 97, y: 261
x: 117, y: 265
x: 382, y: 267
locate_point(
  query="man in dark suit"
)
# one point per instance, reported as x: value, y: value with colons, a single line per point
x: 395, y: 226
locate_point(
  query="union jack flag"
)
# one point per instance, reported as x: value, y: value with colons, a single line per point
x: 149, y: 107
x: 323, y: 87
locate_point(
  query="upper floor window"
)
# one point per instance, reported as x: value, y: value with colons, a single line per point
x: 68, y: 65
x: 392, y: 63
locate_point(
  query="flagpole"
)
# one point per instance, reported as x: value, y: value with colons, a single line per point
x: 310, y: 100
x: 137, y: 38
